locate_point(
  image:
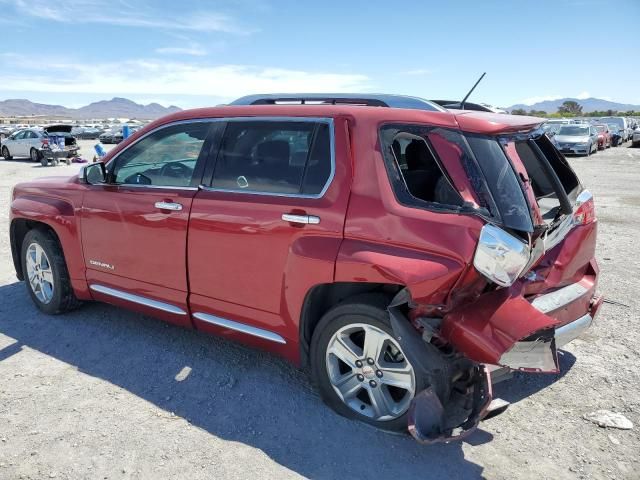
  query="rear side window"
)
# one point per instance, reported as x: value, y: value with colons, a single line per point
x: 416, y: 171
x: 280, y: 157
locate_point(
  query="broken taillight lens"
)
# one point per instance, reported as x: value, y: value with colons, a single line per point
x: 500, y: 256
x: 585, y: 209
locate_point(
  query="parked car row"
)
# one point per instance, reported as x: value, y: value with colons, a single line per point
x: 584, y: 137
x: 115, y: 135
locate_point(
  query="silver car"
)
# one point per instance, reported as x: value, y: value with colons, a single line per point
x: 23, y: 144
x: 38, y: 144
x: 577, y: 139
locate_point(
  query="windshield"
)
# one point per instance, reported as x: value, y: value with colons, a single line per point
x: 574, y: 131
x: 613, y: 127
x: 617, y: 121
x: 600, y: 128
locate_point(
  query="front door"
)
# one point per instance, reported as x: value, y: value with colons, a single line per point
x: 268, y: 225
x: 134, y: 227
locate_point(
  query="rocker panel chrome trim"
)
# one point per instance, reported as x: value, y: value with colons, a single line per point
x: 130, y: 297
x: 240, y: 327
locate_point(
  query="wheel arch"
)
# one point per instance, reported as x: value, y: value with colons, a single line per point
x: 17, y: 231
x: 320, y: 298
x: 58, y: 216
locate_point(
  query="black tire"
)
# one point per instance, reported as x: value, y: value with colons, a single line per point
x: 63, y: 298
x: 369, y: 309
x: 6, y: 154
x: 44, y: 161
x: 34, y: 155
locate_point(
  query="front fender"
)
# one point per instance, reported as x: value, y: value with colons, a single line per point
x: 60, y: 216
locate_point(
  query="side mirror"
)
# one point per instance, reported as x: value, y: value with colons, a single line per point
x: 94, y: 173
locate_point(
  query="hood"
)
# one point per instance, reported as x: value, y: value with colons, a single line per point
x: 571, y: 139
x: 58, y: 129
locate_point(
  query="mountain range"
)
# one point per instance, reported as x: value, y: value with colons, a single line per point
x: 115, y: 108
x: 588, y: 105
x: 119, y: 107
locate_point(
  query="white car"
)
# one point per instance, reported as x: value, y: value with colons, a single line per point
x: 35, y: 143
x: 23, y: 144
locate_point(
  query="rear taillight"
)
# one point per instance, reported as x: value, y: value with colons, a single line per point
x: 500, y: 256
x: 45, y: 142
x: 585, y: 209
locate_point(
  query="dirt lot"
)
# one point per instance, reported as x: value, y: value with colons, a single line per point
x: 104, y: 393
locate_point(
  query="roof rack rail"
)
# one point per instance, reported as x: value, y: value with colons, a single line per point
x: 371, y: 100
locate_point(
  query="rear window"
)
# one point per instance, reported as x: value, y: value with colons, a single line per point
x: 534, y: 152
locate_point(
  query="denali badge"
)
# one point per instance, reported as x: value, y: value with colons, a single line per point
x: 96, y: 263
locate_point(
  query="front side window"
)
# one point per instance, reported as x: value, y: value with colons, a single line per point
x: 166, y: 157
x: 281, y: 157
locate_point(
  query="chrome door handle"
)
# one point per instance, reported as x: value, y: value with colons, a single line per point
x: 304, y: 219
x: 176, y: 207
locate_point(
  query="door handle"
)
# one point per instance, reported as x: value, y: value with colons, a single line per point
x: 176, y: 207
x: 304, y: 219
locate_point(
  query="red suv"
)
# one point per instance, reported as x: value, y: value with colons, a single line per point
x: 401, y: 250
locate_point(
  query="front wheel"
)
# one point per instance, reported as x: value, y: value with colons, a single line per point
x: 45, y: 272
x: 359, y: 367
x: 5, y: 153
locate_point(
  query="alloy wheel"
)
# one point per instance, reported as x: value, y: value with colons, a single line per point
x: 369, y: 372
x: 39, y: 273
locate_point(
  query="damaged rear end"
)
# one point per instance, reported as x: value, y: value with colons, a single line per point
x: 529, y: 290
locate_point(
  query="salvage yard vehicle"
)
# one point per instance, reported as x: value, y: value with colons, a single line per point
x: 397, y: 248
x: 577, y: 139
x: 604, y: 136
x: 50, y: 144
x: 617, y: 134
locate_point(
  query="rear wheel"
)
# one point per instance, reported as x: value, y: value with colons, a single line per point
x: 34, y: 155
x: 359, y: 367
x: 45, y: 271
x: 5, y: 153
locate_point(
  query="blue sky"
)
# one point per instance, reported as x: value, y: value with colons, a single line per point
x: 196, y: 53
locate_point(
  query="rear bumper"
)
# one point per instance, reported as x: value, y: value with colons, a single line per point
x: 538, y: 352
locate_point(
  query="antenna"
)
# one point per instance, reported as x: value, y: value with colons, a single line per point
x: 471, y: 91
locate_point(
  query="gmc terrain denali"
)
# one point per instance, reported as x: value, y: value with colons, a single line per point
x: 402, y: 250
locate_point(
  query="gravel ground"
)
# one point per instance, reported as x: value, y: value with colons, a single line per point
x: 104, y: 393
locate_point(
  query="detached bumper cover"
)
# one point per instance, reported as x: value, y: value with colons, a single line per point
x: 539, y: 352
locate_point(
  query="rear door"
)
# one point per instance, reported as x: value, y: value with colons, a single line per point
x: 18, y: 148
x: 267, y: 225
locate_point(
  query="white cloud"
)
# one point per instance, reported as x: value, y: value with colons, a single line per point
x: 193, y: 50
x: 149, y: 77
x: 583, y: 96
x: 122, y: 13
